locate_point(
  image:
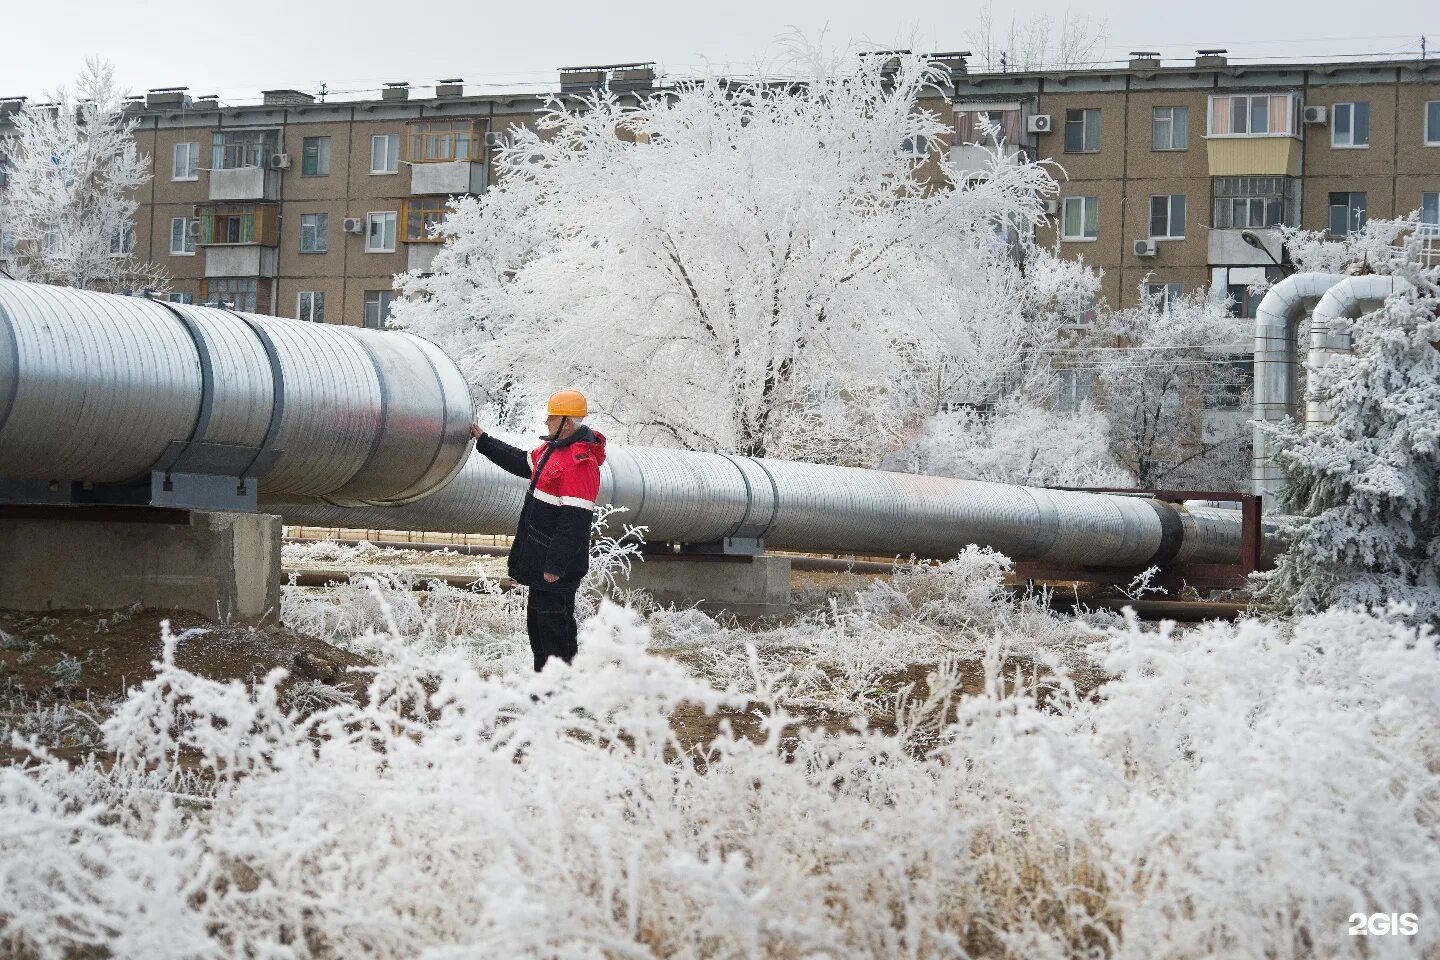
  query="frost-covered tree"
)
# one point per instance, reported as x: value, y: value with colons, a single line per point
x: 69, y: 206
x: 1368, y: 482
x: 1156, y: 368
x: 758, y: 267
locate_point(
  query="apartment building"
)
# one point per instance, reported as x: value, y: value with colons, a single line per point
x: 1164, y: 167
x: 301, y: 207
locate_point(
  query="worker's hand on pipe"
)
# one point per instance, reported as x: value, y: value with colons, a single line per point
x: 551, y: 577
x: 476, y: 431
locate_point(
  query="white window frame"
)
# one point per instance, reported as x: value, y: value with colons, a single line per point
x: 305, y: 304
x: 1085, y: 115
x: 383, y: 303
x: 180, y: 297
x: 1431, y: 135
x: 322, y: 153
x: 1290, y: 108
x: 322, y: 237
x: 916, y: 146
x: 124, y: 232
x: 1169, y: 121
x: 7, y: 244
x: 51, y: 240
x: 392, y: 154
x: 1084, y: 203
x: 1170, y: 199
x: 187, y: 242
x: 380, y: 215
x: 1164, y: 294
x: 192, y: 151
x: 1335, y: 142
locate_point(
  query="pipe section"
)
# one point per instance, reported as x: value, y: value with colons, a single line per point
x: 1350, y: 298
x: 1277, y: 322
x: 696, y: 498
x: 103, y: 388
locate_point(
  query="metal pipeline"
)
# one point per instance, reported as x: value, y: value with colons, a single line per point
x: 102, y: 388
x: 1350, y: 298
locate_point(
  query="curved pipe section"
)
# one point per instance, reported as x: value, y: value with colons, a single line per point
x: 1277, y: 322
x: 688, y: 497
x: 103, y: 388
x: 1349, y: 298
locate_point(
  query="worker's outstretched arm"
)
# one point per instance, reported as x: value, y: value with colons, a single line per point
x: 507, y: 458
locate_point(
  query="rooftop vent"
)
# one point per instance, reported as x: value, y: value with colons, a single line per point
x: 622, y: 76
x: 396, y: 90
x: 1144, y: 58
x: 285, y: 98
x: 956, y: 61
x: 11, y: 105
x: 1211, y: 58
x: 454, y: 87
x: 210, y: 101
x: 167, y: 97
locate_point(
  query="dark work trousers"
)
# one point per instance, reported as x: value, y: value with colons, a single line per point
x: 550, y: 621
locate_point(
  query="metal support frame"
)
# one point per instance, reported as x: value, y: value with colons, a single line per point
x: 1211, y: 576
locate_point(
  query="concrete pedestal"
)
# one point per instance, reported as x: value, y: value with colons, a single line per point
x: 742, y: 586
x: 221, y: 565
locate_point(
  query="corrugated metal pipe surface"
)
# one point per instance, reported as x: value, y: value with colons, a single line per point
x: 687, y: 497
x: 98, y: 388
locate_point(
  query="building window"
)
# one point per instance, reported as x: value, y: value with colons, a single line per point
x: 1162, y: 295
x: 440, y: 141
x: 176, y: 296
x: 234, y: 149
x: 917, y: 146
x: 186, y: 164
x: 1255, y: 115
x: 380, y: 232
x: 987, y: 126
x: 314, y: 232
x: 1350, y: 125
x: 315, y: 157
x: 7, y: 245
x: 1167, y: 216
x: 1170, y: 128
x: 237, y: 294
x: 51, y: 241
x: 1080, y: 218
x: 385, y: 153
x: 1075, y: 387
x: 1432, y: 123
x: 1082, y: 131
x: 1430, y: 208
x: 122, y: 240
x: 377, y: 308
x: 1347, y: 213
x: 310, y: 305
x: 423, y: 216
x: 240, y: 223
x: 1253, y: 202
x: 182, y: 238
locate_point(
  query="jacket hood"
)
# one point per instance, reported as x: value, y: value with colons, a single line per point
x: 593, y: 439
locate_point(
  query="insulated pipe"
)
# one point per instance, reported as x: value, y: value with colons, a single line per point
x: 1277, y: 322
x: 103, y: 388
x: 697, y: 498
x: 1350, y: 298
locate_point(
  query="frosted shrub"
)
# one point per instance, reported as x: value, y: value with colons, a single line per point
x: 1234, y: 791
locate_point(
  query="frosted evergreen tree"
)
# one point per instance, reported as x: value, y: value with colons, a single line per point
x: 1368, y: 483
x: 72, y: 192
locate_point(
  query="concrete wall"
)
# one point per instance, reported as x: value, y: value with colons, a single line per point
x: 222, y: 565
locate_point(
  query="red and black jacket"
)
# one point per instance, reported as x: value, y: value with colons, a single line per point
x: 553, y: 535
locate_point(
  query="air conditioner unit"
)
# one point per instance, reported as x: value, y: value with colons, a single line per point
x: 280, y: 161
x: 1316, y: 114
x: 353, y: 225
x: 1052, y: 207
x: 1038, y: 123
x: 193, y: 230
x: 1145, y: 248
x: 494, y: 141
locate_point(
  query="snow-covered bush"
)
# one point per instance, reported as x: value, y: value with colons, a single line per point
x: 1368, y: 482
x: 1233, y: 791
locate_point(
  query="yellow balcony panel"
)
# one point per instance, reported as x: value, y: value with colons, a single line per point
x: 1253, y: 156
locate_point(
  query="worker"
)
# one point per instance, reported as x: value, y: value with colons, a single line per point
x: 551, y: 552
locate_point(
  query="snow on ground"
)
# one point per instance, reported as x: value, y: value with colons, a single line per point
x: 1039, y: 787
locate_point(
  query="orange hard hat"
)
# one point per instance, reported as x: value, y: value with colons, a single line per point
x: 567, y: 403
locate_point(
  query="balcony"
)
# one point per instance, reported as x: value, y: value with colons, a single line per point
x: 1277, y: 156
x: 447, y: 178
x: 420, y: 257
x: 244, y: 183
x: 241, y: 261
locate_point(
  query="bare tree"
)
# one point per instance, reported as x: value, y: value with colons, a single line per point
x: 69, y: 206
x: 1036, y: 43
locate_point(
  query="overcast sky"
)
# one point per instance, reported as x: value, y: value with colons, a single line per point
x: 236, y: 49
